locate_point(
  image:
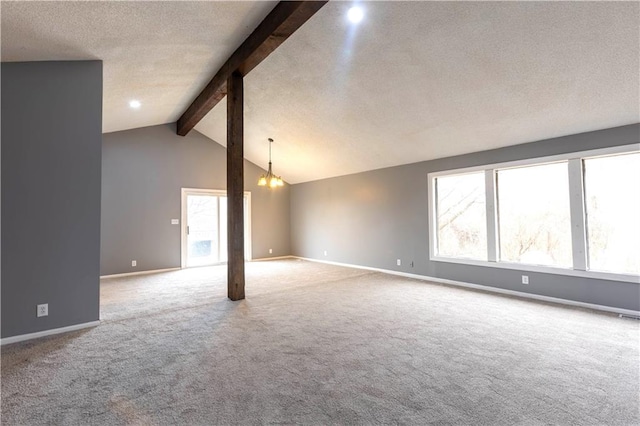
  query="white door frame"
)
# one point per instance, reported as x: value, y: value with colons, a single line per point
x: 183, y: 218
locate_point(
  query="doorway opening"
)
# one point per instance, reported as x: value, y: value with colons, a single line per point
x: 204, y: 227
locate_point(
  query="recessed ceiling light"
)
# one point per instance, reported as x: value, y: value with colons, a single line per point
x: 355, y: 14
x: 134, y: 104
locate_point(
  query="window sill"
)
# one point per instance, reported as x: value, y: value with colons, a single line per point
x: 542, y: 269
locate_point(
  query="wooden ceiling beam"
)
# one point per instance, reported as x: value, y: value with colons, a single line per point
x: 279, y: 24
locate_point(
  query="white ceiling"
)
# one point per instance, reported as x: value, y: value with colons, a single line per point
x: 413, y: 81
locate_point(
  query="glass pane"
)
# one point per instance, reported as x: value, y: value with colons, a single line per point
x: 202, y: 247
x: 612, y: 198
x: 461, y: 216
x: 223, y: 229
x: 533, y: 215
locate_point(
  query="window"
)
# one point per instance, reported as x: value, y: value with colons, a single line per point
x: 534, y: 215
x: 612, y: 203
x: 461, y: 216
x: 572, y: 214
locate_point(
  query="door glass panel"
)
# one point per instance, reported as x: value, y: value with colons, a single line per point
x: 202, y: 237
x: 223, y: 229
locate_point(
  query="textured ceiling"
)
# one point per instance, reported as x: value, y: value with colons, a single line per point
x: 413, y: 81
x: 161, y: 53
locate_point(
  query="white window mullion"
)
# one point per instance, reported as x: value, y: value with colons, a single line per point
x: 433, y: 217
x: 492, y: 215
x: 576, y: 205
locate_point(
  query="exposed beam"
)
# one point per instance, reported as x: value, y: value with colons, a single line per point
x: 235, y: 188
x: 279, y: 24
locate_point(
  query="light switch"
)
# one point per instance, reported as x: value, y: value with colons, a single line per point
x: 175, y: 221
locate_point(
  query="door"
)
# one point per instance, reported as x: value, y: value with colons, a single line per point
x: 204, y: 230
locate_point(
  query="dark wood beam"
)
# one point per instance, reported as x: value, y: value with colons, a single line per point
x: 235, y: 187
x: 279, y: 24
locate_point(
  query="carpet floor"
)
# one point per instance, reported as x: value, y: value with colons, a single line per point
x: 320, y: 344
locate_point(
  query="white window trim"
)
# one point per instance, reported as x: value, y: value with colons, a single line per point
x: 577, y: 212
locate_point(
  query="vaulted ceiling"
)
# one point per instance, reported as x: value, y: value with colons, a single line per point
x: 413, y: 81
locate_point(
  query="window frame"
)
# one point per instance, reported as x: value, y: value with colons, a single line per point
x: 577, y: 207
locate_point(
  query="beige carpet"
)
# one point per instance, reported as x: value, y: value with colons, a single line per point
x: 319, y: 344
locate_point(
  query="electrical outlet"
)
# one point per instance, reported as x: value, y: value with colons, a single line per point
x: 43, y: 310
x: 412, y: 263
x: 525, y: 279
x: 175, y: 221
x: 270, y: 251
x: 325, y: 252
x: 398, y: 262
x: 134, y: 263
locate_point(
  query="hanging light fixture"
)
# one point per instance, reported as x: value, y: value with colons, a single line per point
x: 270, y: 179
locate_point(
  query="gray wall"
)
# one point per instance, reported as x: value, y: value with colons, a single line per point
x: 373, y: 218
x: 51, y: 148
x: 143, y: 171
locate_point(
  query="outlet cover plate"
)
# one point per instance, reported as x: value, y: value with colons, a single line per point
x: 43, y: 310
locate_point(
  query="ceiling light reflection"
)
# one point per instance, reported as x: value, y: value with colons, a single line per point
x: 355, y: 14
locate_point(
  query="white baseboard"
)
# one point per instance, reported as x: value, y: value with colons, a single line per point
x: 23, y: 337
x: 265, y: 259
x: 627, y: 312
x: 156, y: 271
x: 129, y: 274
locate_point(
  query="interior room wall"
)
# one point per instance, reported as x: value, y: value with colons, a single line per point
x: 143, y: 171
x: 371, y: 219
x: 51, y: 149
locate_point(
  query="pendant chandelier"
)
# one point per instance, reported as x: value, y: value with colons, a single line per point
x: 270, y: 179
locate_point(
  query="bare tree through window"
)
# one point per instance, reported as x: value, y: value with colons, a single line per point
x: 534, y: 216
x: 461, y: 216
